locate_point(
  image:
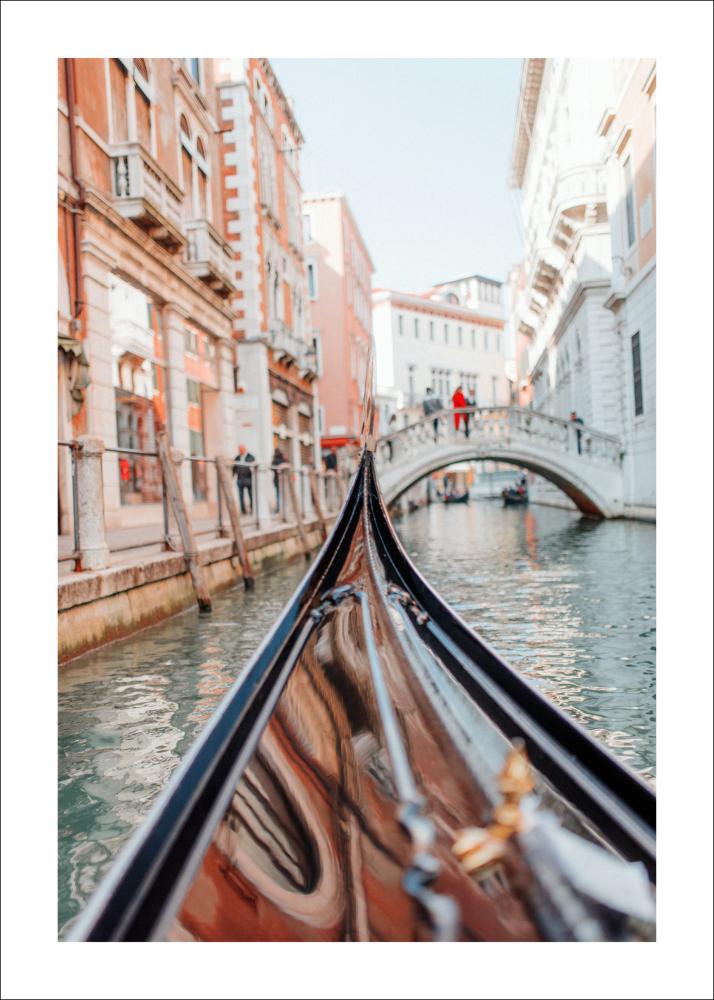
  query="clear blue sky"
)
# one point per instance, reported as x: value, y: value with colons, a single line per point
x: 421, y: 149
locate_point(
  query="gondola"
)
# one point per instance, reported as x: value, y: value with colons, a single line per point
x: 379, y: 773
x: 453, y: 498
x: 513, y: 496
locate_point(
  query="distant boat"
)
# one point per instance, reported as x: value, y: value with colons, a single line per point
x: 511, y: 495
x: 451, y: 498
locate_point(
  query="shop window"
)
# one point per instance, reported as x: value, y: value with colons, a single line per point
x: 139, y: 379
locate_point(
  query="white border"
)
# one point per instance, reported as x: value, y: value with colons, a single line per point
x: 678, y: 34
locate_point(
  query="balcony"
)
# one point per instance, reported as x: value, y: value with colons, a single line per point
x: 209, y: 257
x: 144, y: 193
x: 579, y: 198
x: 292, y: 350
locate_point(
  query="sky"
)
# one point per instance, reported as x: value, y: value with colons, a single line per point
x: 421, y: 149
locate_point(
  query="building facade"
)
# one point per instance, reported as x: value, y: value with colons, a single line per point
x: 145, y: 275
x: 436, y: 340
x: 628, y: 128
x: 339, y: 270
x: 573, y: 184
x: 262, y: 208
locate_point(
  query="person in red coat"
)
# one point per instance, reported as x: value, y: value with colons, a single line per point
x: 458, y: 402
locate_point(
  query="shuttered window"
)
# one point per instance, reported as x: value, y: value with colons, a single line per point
x: 637, y: 375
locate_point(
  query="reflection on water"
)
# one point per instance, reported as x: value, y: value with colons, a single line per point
x: 129, y: 712
x: 567, y: 600
x: 570, y: 602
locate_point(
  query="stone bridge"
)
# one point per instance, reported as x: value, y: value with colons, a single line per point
x: 591, y: 476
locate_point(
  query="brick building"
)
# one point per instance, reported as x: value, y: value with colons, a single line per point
x: 145, y: 274
x: 339, y: 270
x: 182, y: 285
x: 260, y: 151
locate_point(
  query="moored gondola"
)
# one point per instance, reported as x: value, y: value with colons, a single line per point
x: 379, y: 773
x: 456, y: 498
x: 511, y: 495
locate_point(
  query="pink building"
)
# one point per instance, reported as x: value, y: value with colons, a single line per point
x: 339, y: 271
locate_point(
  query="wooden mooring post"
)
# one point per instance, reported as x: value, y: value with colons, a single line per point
x: 178, y: 506
x: 226, y: 485
x: 287, y: 473
x: 317, y: 502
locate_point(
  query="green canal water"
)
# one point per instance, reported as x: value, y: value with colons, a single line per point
x: 569, y: 602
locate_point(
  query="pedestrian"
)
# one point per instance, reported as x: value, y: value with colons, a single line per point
x: 331, y: 460
x: 391, y: 429
x: 432, y: 404
x: 278, y: 460
x: 242, y: 470
x: 578, y: 433
x: 459, y: 403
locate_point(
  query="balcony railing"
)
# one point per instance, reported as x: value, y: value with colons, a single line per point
x: 209, y: 257
x: 146, y: 194
x: 293, y: 349
x: 579, y: 195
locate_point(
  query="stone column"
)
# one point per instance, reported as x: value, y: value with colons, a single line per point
x: 94, y: 553
x: 97, y: 265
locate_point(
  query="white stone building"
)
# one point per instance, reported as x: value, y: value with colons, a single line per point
x: 572, y: 176
x: 438, y: 340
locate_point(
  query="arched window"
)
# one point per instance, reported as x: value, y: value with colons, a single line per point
x: 202, y: 178
x: 186, y: 149
x: 142, y: 101
x: 185, y: 132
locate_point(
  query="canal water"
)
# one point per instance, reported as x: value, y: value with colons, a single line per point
x: 568, y: 601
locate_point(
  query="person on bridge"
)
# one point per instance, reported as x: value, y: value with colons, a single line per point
x: 459, y: 402
x: 432, y: 404
x: 244, y: 476
x: 578, y: 433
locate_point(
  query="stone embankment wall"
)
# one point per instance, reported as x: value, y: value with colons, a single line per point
x: 99, y: 606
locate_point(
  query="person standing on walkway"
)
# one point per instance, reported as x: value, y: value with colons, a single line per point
x: 278, y: 460
x: 432, y: 404
x: 331, y: 460
x: 459, y: 402
x: 242, y: 470
x: 578, y: 433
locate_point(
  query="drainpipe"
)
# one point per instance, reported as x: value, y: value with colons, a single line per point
x: 77, y: 209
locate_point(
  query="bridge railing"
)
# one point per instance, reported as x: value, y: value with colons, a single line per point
x: 500, y: 425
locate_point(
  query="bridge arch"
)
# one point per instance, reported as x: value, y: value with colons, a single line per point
x: 591, y: 477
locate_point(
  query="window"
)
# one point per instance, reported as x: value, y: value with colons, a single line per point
x: 193, y: 391
x: 498, y: 342
x: 312, y: 280
x: 629, y: 203
x: 194, y: 68
x: 473, y: 337
x: 307, y: 228
x: 431, y: 330
x: 190, y: 341
x: 494, y: 389
x: 460, y: 335
x: 267, y: 168
x: 400, y: 325
x: 485, y: 340
x: 416, y: 328
x: 637, y: 375
x: 446, y: 333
